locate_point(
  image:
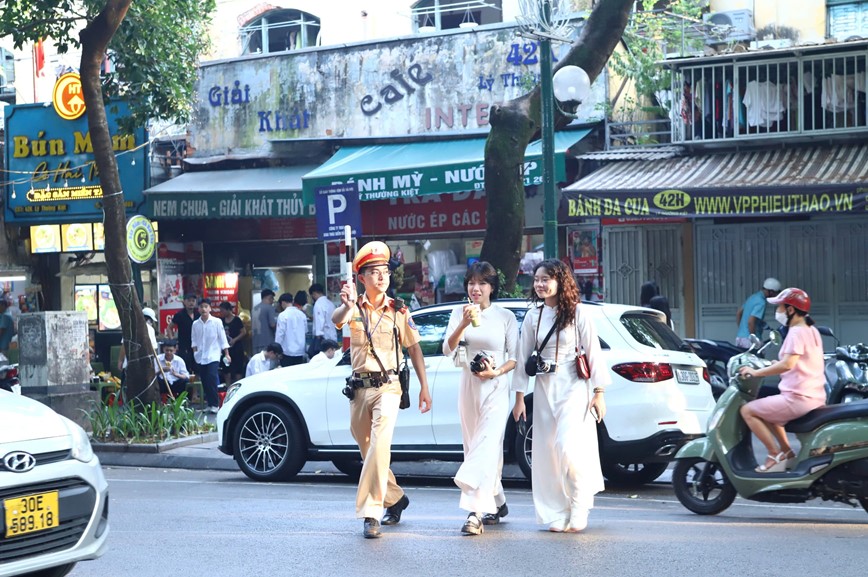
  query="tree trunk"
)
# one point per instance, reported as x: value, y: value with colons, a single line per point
x: 137, y: 344
x: 515, y: 123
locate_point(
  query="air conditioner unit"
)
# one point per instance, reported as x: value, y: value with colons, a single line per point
x: 731, y: 26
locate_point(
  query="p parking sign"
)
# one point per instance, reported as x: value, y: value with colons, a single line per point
x: 337, y: 205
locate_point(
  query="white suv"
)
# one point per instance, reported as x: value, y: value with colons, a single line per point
x: 660, y: 398
x: 53, y: 496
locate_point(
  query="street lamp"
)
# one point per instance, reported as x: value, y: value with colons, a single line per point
x: 571, y: 86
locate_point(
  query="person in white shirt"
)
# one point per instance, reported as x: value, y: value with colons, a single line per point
x: 150, y: 321
x: 328, y: 348
x: 291, y: 330
x: 323, y: 327
x: 209, y: 340
x: 264, y: 360
x: 172, y: 370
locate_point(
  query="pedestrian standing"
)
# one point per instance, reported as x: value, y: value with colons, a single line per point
x: 488, y: 334
x: 181, y: 329
x: 750, y: 318
x: 7, y: 324
x: 264, y: 321
x: 379, y: 327
x: 209, y: 341
x: 323, y: 327
x: 235, y: 333
x: 291, y: 330
x: 566, y: 470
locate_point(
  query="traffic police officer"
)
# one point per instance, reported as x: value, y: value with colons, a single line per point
x: 373, y: 319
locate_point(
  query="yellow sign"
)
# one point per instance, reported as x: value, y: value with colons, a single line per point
x: 67, y: 98
x: 141, y: 239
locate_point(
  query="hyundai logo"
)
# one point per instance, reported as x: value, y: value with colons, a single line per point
x: 19, y: 462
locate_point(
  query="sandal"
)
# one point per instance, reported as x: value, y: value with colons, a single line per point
x: 779, y: 464
x: 473, y: 525
x: 494, y: 518
x: 791, y: 459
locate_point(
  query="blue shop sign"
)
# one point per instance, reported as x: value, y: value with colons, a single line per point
x: 51, y: 175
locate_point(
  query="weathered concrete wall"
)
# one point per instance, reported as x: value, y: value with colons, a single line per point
x: 53, y: 348
x: 409, y: 86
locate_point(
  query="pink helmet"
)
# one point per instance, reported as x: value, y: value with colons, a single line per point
x: 795, y: 297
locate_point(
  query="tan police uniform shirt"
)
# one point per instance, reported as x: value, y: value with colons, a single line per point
x: 381, y: 323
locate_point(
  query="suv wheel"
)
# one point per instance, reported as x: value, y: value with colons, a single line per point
x: 268, y: 443
x: 523, y: 444
x: 60, y: 571
x: 349, y: 466
x: 632, y: 474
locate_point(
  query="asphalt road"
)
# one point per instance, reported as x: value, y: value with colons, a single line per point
x: 215, y: 524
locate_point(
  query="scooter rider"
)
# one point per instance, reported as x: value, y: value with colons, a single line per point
x: 802, y: 383
x: 750, y: 317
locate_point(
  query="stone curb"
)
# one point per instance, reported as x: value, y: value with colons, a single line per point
x: 162, y: 447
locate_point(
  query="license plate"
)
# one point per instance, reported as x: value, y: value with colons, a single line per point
x: 687, y: 377
x: 31, y: 513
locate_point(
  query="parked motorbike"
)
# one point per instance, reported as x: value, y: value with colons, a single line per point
x: 715, y: 354
x: 847, y: 374
x: 8, y: 375
x: 832, y: 460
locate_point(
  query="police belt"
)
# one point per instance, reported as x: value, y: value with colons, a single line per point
x: 368, y: 380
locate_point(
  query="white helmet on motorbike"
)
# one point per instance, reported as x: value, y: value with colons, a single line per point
x: 772, y: 284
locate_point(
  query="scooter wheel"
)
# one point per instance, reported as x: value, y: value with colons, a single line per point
x: 702, y: 486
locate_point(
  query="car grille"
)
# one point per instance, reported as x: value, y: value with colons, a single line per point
x: 76, y: 502
x: 52, y: 457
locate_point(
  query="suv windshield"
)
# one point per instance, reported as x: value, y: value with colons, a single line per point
x: 650, y: 331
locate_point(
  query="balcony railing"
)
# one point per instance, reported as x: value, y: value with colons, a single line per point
x: 808, y: 95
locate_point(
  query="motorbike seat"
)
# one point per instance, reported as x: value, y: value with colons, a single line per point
x: 822, y: 415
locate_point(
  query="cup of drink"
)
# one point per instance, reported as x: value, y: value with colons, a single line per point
x: 474, y: 315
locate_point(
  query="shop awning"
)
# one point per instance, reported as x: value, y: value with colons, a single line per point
x: 419, y: 168
x: 776, y: 182
x: 274, y: 192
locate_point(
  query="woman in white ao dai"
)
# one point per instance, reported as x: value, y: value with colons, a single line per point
x: 483, y: 398
x: 566, y: 461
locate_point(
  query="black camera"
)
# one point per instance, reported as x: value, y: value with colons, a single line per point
x: 477, y: 365
x: 535, y: 365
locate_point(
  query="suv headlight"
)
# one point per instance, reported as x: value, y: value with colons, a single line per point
x: 81, y: 449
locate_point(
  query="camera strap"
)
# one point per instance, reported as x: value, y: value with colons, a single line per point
x: 371, y: 341
x: 538, y: 349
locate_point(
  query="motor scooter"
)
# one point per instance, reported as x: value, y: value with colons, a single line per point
x: 832, y: 460
x: 847, y: 374
x: 9, y: 375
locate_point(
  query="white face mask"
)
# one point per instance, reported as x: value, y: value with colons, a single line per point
x: 781, y: 317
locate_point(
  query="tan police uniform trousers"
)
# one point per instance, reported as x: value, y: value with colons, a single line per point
x: 373, y: 413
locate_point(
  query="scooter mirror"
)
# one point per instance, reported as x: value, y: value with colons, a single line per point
x: 775, y: 337
x: 755, y: 341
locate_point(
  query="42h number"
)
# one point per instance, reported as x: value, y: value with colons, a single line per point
x: 525, y: 54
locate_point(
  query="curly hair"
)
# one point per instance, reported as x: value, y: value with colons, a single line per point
x: 568, y: 292
x: 485, y: 272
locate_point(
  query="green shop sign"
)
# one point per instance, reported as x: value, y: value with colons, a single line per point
x: 198, y: 205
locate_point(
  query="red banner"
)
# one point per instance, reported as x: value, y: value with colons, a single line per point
x: 460, y: 212
x: 179, y: 267
x: 222, y: 286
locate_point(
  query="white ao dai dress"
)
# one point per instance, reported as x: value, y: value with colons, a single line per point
x: 566, y: 461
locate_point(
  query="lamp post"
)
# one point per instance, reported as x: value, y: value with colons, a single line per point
x: 544, y: 21
x: 569, y: 85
